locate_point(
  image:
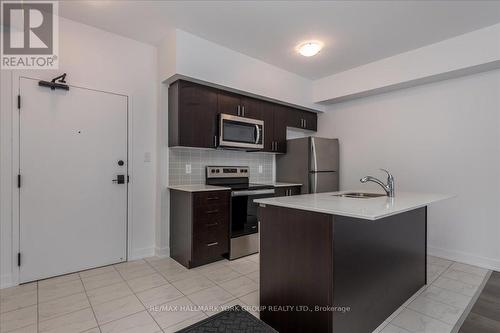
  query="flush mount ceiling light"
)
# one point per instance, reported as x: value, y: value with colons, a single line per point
x: 309, y: 49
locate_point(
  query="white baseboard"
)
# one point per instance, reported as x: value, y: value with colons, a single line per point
x: 162, y: 251
x: 141, y: 253
x: 466, y: 258
x: 6, y: 281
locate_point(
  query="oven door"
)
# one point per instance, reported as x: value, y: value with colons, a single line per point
x: 239, y: 132
x: 244, y: 220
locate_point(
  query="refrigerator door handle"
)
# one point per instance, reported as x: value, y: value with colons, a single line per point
x: 313, y: 181
x: 314, y: 156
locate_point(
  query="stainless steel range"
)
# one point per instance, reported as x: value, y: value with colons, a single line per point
x: 244, y: 224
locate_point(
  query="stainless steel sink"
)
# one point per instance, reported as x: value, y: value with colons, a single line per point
x: 359, y: 195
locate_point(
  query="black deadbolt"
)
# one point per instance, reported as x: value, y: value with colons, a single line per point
x: 120, y: 179
x: 120, y: 163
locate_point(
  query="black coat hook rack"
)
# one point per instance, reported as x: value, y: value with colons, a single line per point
x: 53, y: 84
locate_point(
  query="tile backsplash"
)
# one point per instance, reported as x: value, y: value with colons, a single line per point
x: 200, y: 158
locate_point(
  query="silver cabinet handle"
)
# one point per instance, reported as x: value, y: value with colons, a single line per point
x: 215, y: 141
x: 243, y: 110
x: 239, y: 110
x: 213, y: 244
x: 305, y: 123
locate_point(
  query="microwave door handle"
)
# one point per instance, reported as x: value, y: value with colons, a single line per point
x: 258, y: 134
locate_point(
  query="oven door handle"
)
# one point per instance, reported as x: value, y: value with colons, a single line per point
x: 251, y: 192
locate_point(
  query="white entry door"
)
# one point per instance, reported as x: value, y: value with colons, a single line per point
x: 73, y: 212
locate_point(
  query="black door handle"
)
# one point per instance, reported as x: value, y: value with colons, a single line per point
x: 120, y: 179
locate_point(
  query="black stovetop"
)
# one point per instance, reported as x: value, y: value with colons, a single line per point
x: 247, y: 186
x: 237, y: 184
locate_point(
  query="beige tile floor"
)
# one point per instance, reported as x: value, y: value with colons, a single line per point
x: 159, y: 295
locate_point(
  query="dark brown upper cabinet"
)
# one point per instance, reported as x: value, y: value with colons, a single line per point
x: 192, y: 112
x: 194, y: 109
x: 237, y: 105
x: 228, y: 103
x: 280, y: 123
x: 302, y: 119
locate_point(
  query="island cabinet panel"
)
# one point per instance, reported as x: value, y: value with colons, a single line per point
x: 296, y: 263
x: 199, y: 226
x: 352, y: 273
x: 378, y: 265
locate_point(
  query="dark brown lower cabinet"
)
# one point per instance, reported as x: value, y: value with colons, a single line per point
x: 336, y: 274
x: 286, y: 191
x: 199, y: 226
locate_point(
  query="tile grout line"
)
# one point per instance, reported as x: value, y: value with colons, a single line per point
x: 37, y: 308
x: 88, y: 300
x: 133, y: 292
x: 421, y: 292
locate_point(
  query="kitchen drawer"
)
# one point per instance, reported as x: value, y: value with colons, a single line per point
x: 210, y: 213
x: 209, y: 226
x: 212, y: 198
x: 210, y: 246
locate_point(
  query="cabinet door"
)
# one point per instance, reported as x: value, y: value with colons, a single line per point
x: 310, y: 120
x: 251, y: 108
x: 294, y: 190
x: 228, y: 103
x: 280, y: 191
x: 294, y: 118
x: 197, y: 115
x: 267, y: 114
x: 280, y: 122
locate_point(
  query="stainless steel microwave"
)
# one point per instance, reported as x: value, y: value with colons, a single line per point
x: 240, y: 133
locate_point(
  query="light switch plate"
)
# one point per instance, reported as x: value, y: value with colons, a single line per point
x: 188, y: 168
x: 260, y: 168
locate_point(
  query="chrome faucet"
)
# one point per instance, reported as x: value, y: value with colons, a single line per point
x: 389, y: 188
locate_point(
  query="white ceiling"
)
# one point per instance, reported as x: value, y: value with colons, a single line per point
x: 354, y: 32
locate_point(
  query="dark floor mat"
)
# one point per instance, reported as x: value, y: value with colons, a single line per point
x: 484, y: 316
x: 234, y: 319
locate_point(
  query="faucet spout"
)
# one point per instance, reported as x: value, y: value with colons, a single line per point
x: 388, y: 188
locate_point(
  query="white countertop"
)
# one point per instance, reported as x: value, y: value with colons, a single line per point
x: 369, y: 209
x: 198, y: 188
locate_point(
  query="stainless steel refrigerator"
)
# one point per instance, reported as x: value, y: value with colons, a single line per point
x: 312, y: 162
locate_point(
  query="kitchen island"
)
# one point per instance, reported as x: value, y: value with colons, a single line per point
x: 330, y: 263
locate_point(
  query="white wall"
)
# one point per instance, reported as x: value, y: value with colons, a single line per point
x: 100, y: 60
x: 440, y: 137
x: 204, y: 60
x: 468, y: 53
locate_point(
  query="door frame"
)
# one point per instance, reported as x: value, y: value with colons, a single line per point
x: 16, y: 156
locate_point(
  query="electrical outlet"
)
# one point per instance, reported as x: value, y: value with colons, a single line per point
x: 188, y: 168
x: 147, y: 157
x: 260, y: 168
